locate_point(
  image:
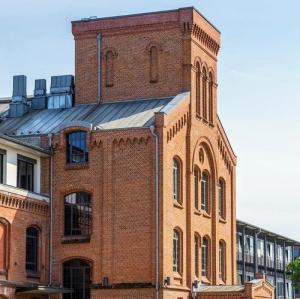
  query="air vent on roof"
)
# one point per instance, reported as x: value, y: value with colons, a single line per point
x: 40, y: 92
x: 62, y: 92
x: 18, y: 106
x: 19, y: 89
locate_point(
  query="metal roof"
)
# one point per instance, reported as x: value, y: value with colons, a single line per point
x: 264, y: 231
x: 220, y: 288
x: 106, y: 116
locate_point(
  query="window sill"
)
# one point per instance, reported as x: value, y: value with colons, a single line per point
x: 177, y: 277
x: 70, y: 166
x: 205, y: 280
x: 222, y: 220
x: 206, y: 215
x: 177, y: 205
x: 75, y: 239
x: 35, y: 275
x: 197, y: 212
x: 221, y: 281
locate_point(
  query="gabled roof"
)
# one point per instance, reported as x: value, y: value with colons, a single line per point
x: 105, y: 116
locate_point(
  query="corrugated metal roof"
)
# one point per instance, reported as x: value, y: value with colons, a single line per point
x: 106, y: 116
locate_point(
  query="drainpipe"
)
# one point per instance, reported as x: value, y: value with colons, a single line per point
x: 99, y: 46
x: 157, y: 262
x: 51, y: 211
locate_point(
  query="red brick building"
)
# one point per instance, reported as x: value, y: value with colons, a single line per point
x: 141, y: 175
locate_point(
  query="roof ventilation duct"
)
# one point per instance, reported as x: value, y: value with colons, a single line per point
x: 19, y: 106
x: 61, y: 92
x: 39, y: 100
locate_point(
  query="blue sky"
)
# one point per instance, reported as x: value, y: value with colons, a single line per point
x: 258, y: 93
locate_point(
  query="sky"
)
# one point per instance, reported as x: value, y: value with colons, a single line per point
x: 258, y: 77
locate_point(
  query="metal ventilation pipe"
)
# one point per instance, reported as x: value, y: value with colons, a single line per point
x: 99, y: 46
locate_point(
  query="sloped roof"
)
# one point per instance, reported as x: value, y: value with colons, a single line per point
x: 220, y: 288
x: 106, y: 116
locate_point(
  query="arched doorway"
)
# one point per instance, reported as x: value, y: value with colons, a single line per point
x: 76, y: 276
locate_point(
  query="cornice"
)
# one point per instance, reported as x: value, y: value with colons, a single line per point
x: 25, y: 204
x: 204, y: 38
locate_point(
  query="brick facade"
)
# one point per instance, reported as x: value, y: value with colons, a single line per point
x: 120, y: 173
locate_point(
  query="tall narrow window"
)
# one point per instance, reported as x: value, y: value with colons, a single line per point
x: 176, y: 180
x: 205, y: 192
x: 25, y: 173
x: 205, y: 257
x: 222, y: 261
x: 197, y: 245
x: 77, y: 151
x: 78, y: 214
x: 204, y: 93
x: 153, y: 64
x: 196, y: 187
x: 32, y: 250
x: 4, y: 245
x: 210, y: 97
x: 198, y: 91
x: 221, y: 198
x: 176, y: 251
x: 1, y: 168
x: 109, y: 66
x: 76, y: 276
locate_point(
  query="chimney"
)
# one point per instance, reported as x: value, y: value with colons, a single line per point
x: 18, y: 106
x: 39, y: 100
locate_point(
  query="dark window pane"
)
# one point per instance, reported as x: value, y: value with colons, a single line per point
x: 77, y: 151
x: 25, y: 175
x: 77, y: 277
x: 78, y: 214
x: 1, y: 169
x: 32, y: 246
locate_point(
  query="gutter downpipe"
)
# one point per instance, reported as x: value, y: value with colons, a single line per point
x: 157, y: 260
x: 51, y: 211
x: 99, y: 45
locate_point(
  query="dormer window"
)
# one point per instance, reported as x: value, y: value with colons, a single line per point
x: 77, y: 151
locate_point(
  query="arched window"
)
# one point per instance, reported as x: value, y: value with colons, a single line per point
x: 205, y: 257
x: 205, y: 192
x: 78, y: 214
x: 222, y: 260
x: 196, y: 249
x: 210, y: 97
x: 176, y: 251
x: 109, y: 67
x: 198, y: 91
x: 196, y: 187
x: 4, y: 245
x: 221, y: 198
x: 76, y: 276
x: 153, y: 64
x: 176, y: 180
x: 77, y: 151
x: 204, y: 93
x: 32, y: 249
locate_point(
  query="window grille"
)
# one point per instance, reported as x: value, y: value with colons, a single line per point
x: 78, y: 214
x: 76, y: 276
x: 32, y: 248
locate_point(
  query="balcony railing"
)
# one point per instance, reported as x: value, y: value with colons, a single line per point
x: 270, y: 262
x: 279, y: 264
x: 239, y: 256
x: 261, y: 260
x: 249, y: 258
